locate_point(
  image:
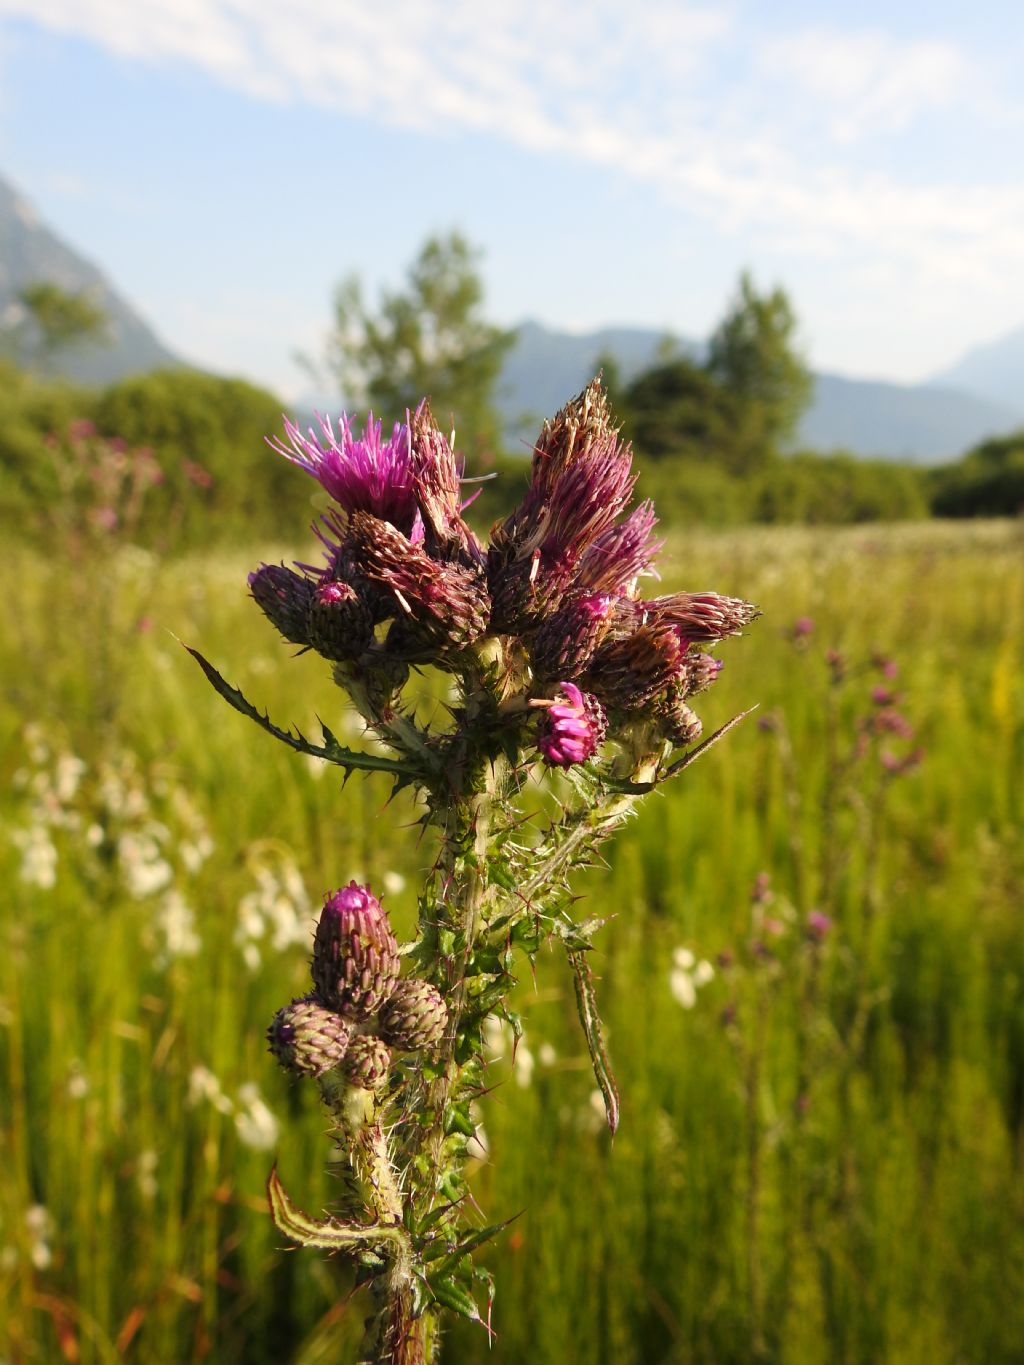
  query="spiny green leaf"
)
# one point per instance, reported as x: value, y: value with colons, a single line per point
x: 452, y: 1295
x: 591, y: 1021
x: 332, y: 751
x: 329, y: 1235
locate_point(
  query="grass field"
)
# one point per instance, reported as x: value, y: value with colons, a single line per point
x: 813, y: 983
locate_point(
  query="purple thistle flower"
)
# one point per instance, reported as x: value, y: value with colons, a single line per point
x: 618, y: 557
x: 437, y: 471
x: 362, y: 474
x: 818, y: 925
x: 701, y: 672
x: 581, y: 480
x: 570, y: 730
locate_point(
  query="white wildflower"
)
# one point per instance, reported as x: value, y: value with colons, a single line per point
x: 145, y: 1173
x: 257, y: 1126
x: 393, y: 883
x: 144, y: 868
x: 194, y: 852
x: 546, y: 1055
x: 78, y: 1081
x: 38, y: 857
x: 68, y: 774
x: 40, y: 1231
x: 496, y: 1036
x: 176, y: 923
x: 524, y: 1066
x: 688, y: 976
x: 204, y: 1087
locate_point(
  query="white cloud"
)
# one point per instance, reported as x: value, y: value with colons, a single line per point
x: 867, y: 82
x: 760, y: 137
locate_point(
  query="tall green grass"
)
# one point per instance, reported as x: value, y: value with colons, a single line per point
x: 819, y: 1161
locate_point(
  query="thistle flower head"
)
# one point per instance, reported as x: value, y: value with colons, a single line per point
x: 367, y: 1062
x: 340, y: 623
x: 701, y: 616
x: 355, y: 953
x: 284, y: 598
x: 581, y: 480
x: 570, y: 730
x: 449, y: 600
x: 308, y: 1038
x: 365, y: 473
x: 437, y: 472
x: 618, y: 557
x: 566, y: 641
x: 630, y: 671
x: 414, y: 1017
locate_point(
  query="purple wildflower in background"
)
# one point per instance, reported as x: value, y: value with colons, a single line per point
x: 818, y: 924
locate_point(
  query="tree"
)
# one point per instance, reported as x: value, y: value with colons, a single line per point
x: 430, y: 340
x: 677, y: 410
x: 752, y: 354
x: 61, y: 320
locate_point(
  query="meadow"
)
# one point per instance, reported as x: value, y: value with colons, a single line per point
x: 812, y: 981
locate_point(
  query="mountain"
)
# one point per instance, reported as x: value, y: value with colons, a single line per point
x: 30, y: 253
x: 925, y: 423
x: 994, y: 371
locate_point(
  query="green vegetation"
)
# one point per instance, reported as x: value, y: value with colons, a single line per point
x: 818, y: 1161
x: 54, y: 323
x: 431, y: 339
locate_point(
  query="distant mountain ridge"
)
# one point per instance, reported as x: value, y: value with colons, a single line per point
x: 994, y: 370
x: 983, y: 395
x: 923, y: 423
x: 30, y: 253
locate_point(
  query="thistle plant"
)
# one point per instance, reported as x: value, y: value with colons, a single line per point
x: 559, y: 668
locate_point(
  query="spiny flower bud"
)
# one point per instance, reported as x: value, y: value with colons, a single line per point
x: 701, y: 672
x: 702, y: 616
x: 683, y: 725
x: 340, y: 625
x: 308, y: 1038
x: 448, y: 600
x: 367, y: 1061
x: 355, y: 953
x: 284, y: 598
x: 565, y: 642
x: 414, y: 1017
x: 629, y: 673
x: 571, y: 730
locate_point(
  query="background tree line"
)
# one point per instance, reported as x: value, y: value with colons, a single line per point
x: 714, y: 434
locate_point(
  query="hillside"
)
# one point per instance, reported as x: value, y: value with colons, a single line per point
x: 30, y: 253
x: 923, y: 423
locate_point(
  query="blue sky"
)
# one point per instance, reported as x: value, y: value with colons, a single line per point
x: 227, y: 161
